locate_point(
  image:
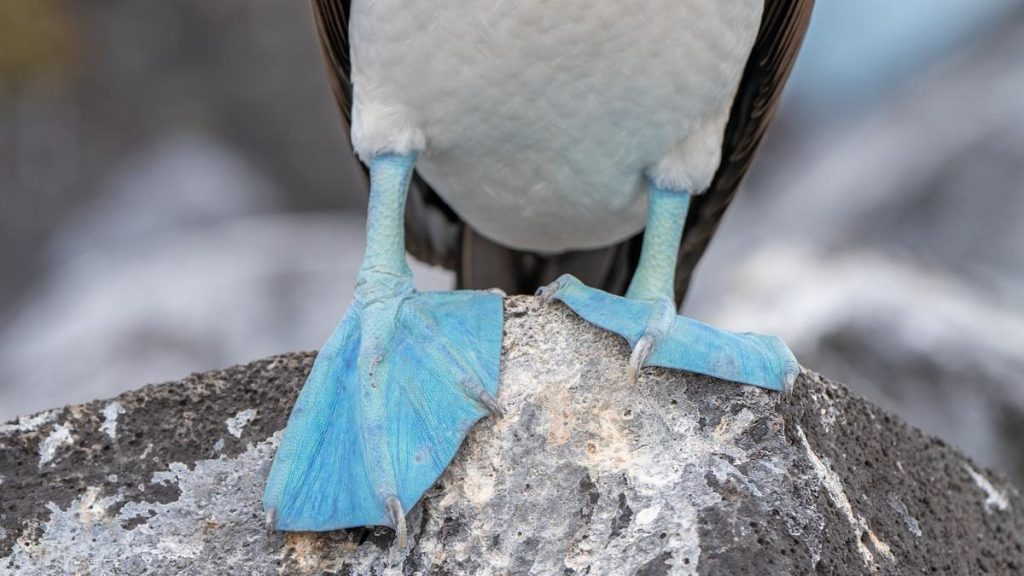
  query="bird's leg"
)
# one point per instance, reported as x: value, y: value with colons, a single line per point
x: 392, y: 393
x: 647, y: 317
x: 654, y: 278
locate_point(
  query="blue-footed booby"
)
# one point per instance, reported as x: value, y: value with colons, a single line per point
x: 592, y: 144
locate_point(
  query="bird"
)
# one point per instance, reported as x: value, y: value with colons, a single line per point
x: 588, y: 148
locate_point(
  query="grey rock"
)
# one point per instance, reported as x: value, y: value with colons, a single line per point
x: 904, y: 231
x: 585, y: 473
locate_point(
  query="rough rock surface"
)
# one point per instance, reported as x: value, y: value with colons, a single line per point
x: 915, y: 270
x: 585, y: 474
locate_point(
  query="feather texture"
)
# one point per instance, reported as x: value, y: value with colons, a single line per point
x: 436, y: 235
x: 783, y: 26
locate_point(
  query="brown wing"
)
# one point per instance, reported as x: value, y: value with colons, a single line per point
x: 782, y: 32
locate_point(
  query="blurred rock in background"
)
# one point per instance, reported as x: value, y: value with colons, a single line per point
x: 892, y: 246
x: 88, y: 87
x: 175, y: 196
x: 182, y: 263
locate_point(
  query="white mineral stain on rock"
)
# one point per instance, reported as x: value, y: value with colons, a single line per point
x: 879, y: 545
x: 29, y: 423
x: 828, y: 414
x: 173, y: 473
x: 60, y: 436
x: 912, y: 524
x: 995, y: 500
x: 558, y: 405
x: 834, y: 486
x: 478, y: 485
x: 110, y: 413
x: 648, y: 515
x: 237, y: 422
x: 169, y: 537
x: 729, y: 428
x: 92, y: 508
x: 28, y: 546
x: 609, y: 448
x: 218, y: 445
x: 304, y: 550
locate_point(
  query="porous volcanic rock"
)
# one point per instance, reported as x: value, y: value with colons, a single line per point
x: 584, y: 474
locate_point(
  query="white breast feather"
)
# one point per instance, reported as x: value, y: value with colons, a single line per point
x: 539, y: 121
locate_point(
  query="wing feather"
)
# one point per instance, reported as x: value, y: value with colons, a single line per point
x: 331, y: 18
x: 783, y: 26
x: 435, y: 234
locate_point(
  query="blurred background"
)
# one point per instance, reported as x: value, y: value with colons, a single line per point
x: 176, y: 195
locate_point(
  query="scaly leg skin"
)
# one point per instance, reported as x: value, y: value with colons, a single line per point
x: 647, y: 317
x: 394, y: 391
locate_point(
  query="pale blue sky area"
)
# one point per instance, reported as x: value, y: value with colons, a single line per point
x: 859, y: 49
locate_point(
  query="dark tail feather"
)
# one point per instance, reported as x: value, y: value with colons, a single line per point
x: 485, y: 264
x: 437, y: 236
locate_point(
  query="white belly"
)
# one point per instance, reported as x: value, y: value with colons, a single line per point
x: 539, y: 119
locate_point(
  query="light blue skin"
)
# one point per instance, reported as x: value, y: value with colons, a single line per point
x: 405, y: 375
x: 647, y: 317
x: 393, y: 392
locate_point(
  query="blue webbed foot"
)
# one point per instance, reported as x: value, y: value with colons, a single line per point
x: 390, y: 398
x: 394, y: 391
x: 660, y: 337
